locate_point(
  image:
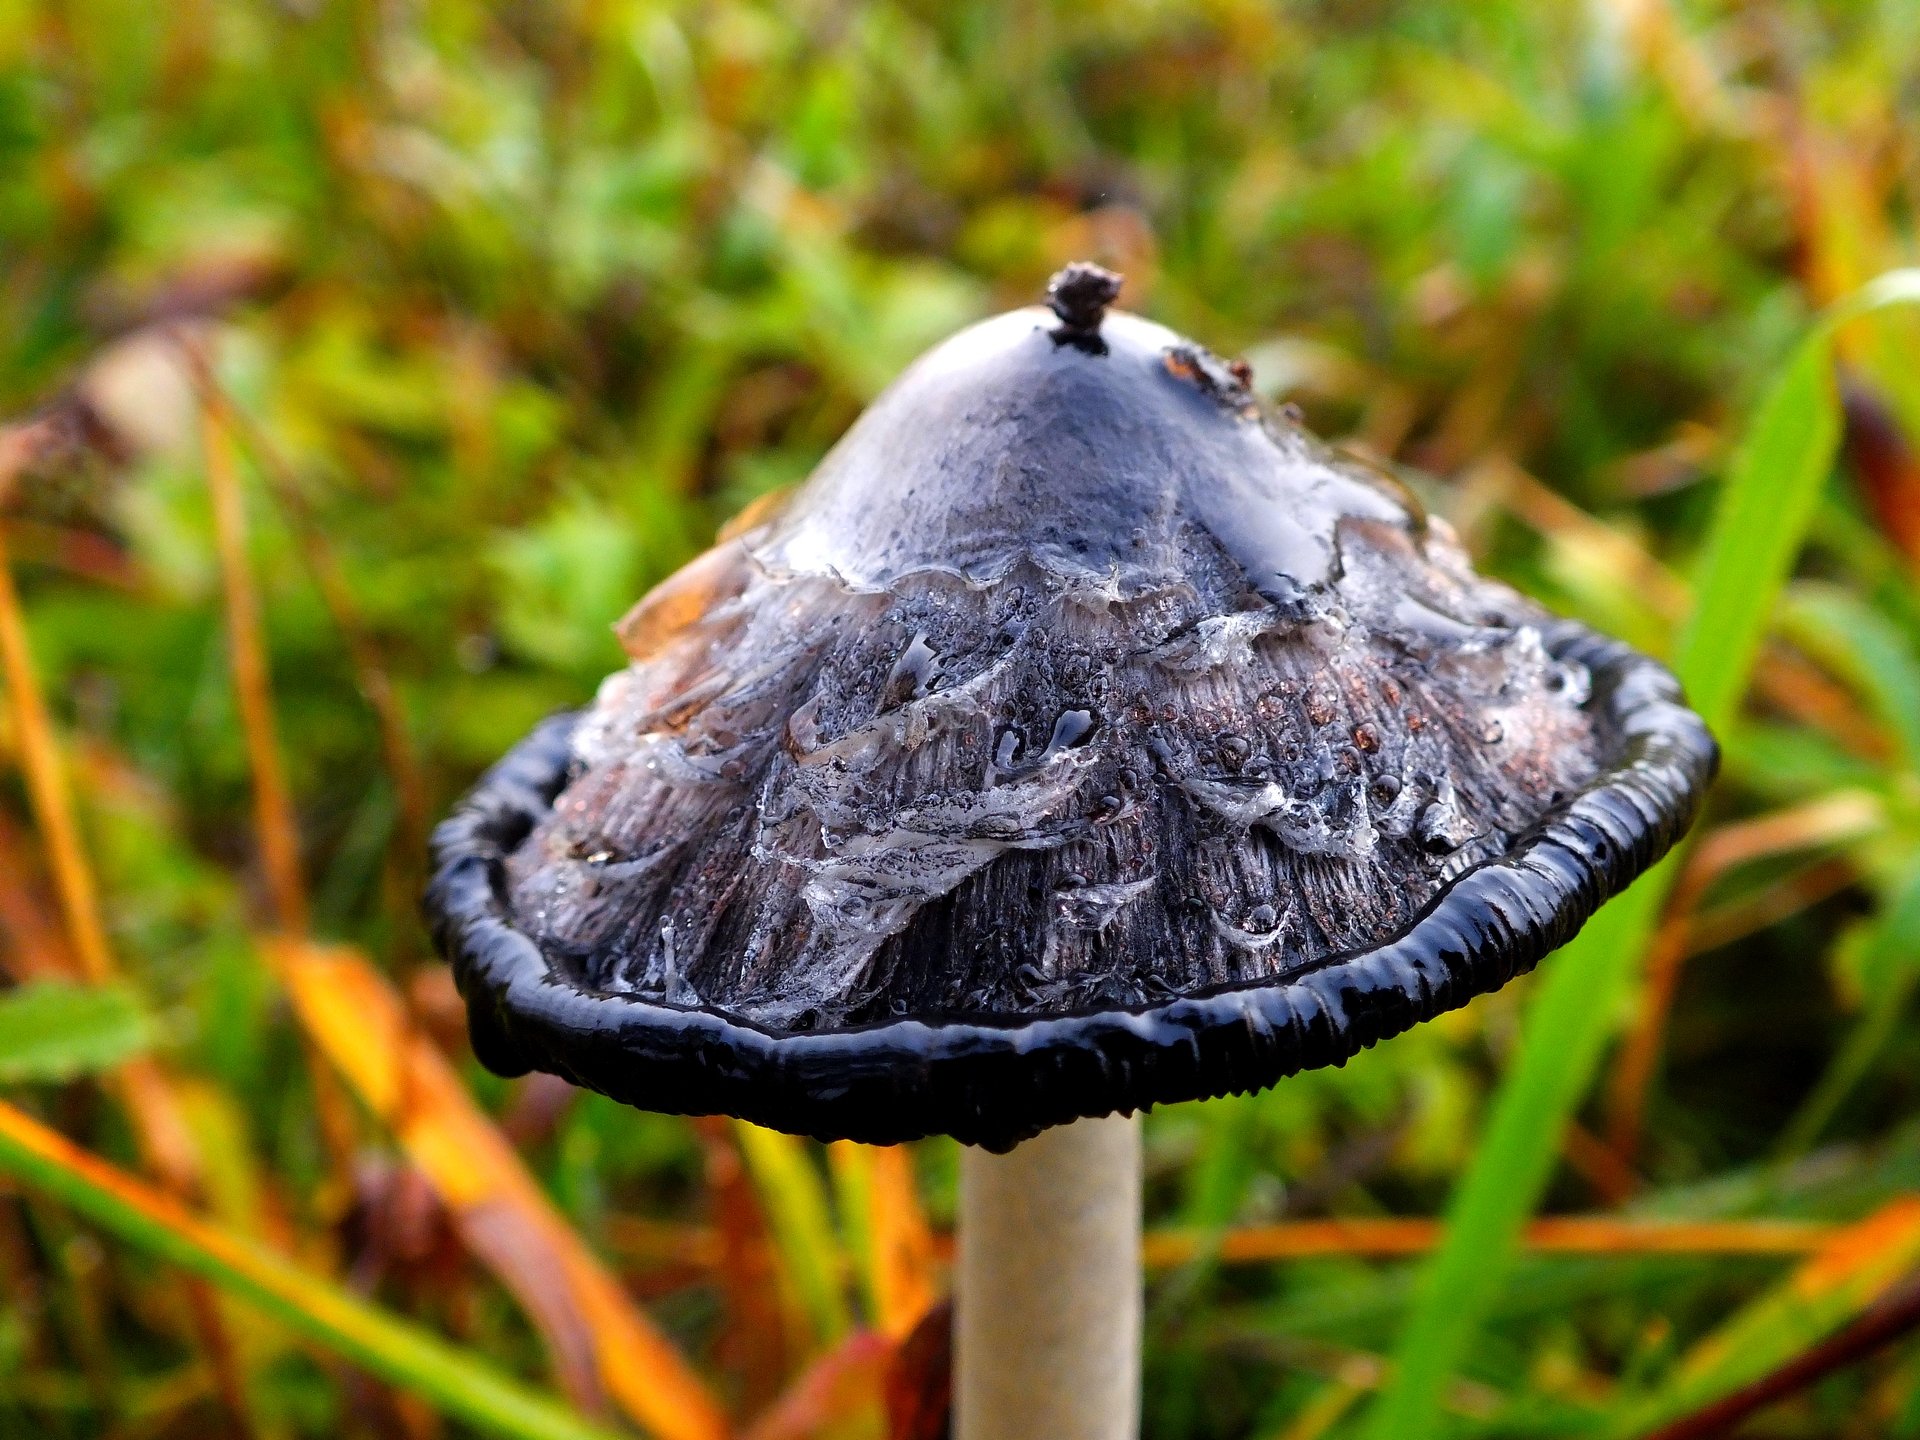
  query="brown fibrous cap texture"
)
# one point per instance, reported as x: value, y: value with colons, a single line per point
x: 1072, y: 681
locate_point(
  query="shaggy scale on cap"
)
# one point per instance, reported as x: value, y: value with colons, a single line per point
x: 1080, y: 737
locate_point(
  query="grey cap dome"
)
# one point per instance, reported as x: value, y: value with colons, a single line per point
x: 1079, y: 737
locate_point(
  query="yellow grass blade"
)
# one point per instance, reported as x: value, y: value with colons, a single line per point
x: 889, y: 1231
x: 795, y: 1202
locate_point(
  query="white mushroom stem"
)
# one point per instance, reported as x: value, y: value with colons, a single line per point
x: 1047, y: 1287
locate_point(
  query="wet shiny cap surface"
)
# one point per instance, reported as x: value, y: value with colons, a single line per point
x: 1080, y: 737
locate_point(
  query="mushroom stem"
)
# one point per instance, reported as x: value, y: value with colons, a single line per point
x: 1047, y: 1287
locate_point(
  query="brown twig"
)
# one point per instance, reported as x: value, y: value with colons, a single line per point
x: 1718, y: 925
x: 1597, y: 1162
x: 82, y: 553
x: 36, y: 947
x: 841, y: 1383
x: 755, y: 1344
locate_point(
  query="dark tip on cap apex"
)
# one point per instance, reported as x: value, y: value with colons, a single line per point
x: 1080, y: 295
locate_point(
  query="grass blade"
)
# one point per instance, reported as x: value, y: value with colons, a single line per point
x: 54, y: 1030
x: 886, y: 1230
x: 46, y: 786
x: 901, y: 1245
x: 358, y: 1021
x: 273, y: 802
x: 795, y: 1202
x: 600, y: 1341
x: 1775, y: 481
x: 167, y: 1146
x: 1559, y: 1235
x: 394, y: 1349
x: 1839, y: 1282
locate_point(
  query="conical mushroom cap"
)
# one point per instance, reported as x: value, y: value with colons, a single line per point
x: 1078, y: 737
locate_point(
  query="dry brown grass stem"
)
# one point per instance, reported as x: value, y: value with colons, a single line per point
x: 272, y: 802
x: 46, y: 787
x: 166, y: 1144
x: 1831, y: 820
x: 370, y: 671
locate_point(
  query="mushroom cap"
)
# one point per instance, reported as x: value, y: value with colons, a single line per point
x: 1080, y: 737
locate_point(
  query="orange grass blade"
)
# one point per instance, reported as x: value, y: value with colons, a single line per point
x: 593, y: 1329
x: 46, y: 786
x: 356, y: 1018
x: 1302, y: 1239
x: 160, y: 1130
x: 1561, y: 1235
x: 902, y: 1245
x: 397, y: 1350
x: 1844, y: 1278
x: 370, y: 672
x: 279, y: 836
x: 165, y: 1143
x: 889, y: 1232
x: 1557, y: 1235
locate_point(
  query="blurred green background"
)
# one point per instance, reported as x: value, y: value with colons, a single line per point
x: 493, y: 314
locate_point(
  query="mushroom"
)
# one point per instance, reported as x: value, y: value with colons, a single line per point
x: 1080, y: 737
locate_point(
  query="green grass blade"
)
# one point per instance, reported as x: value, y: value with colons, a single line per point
x: 1580, y: 994
x: 461, y: 1385
x: 1770, y: 494
x: 1854, y: 640
x: 1830, y: 1290
x: 55, y: 1030
x: 1889, y: 973
x: 795, y: 1198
